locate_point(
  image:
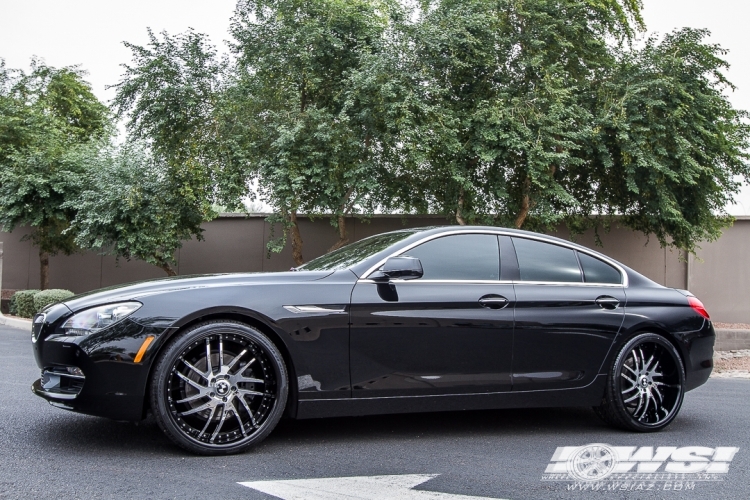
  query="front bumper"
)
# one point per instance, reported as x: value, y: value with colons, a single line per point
x: 96, y: 374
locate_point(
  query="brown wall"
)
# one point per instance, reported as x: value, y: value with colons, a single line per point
x: 231, y: 244
x: 720, y: 276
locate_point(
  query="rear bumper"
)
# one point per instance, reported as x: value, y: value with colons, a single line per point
x: 700, y: 353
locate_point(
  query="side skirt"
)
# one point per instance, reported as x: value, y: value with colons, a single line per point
x: 591, y: 395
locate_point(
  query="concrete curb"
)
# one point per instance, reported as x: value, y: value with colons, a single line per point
x: 729, y: 340
x: 23, y: 324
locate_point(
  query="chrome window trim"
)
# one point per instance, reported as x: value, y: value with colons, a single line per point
x: 448, y: 282
x: 569, y: 283
x: 493, y: 282
x: 623, y: 274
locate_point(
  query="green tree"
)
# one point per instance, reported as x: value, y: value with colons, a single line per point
x: 313, y: 142
x: 169, y: 95
x: 668, y: 147
x: 502, y: 91
x: 45, y: 116
x: 524, y: 113
x: 129, y: 207
x: 531, y: 113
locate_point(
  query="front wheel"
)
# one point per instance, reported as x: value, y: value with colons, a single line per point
x: 219, y: 388
x: 645, y: 386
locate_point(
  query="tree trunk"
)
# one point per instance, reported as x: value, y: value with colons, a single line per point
x: 43, y: 270
x: 164, y: 266
x: 459, y: 210
x: 345, y: 208
x: 343, y: 236
x: 296, y: 240
x: 525, y: 204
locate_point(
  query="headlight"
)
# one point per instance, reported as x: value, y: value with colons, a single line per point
x: 97, y: 318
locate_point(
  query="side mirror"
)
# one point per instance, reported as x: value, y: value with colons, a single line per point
x: 405, y: 268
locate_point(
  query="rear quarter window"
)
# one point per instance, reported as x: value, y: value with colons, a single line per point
x: 598, y: 271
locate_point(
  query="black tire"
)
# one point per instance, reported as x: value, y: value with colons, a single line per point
x: 645, y: 386
x: 213, y: 406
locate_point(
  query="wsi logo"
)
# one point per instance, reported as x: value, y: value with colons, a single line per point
x: 599, y: 462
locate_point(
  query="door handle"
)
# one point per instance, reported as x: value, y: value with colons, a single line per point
x: 493, y: 301
x: 607, y: 302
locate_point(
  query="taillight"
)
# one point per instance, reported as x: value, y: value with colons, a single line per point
x: 697, y: 306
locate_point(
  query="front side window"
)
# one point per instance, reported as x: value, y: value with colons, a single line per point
x: 540, y: 261
x: 459, y: 257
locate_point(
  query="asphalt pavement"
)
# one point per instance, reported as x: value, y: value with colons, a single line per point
x: 50, y: 453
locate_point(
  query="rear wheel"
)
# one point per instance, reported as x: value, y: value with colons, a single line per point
x: 219, y: 388
x: 645, y: 386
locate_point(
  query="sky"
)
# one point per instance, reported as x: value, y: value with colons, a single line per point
x: 90, y: 33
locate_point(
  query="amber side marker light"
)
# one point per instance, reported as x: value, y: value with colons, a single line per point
x: 142, y: 350
x: 697, y: 306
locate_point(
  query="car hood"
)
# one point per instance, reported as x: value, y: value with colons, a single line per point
x: 134, y: 291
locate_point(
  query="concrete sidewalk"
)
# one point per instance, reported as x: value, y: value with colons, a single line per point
x: 23, y: 324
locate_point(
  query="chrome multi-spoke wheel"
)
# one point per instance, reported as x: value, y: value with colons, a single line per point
x: 219, y: 388
x: 650, y: 385
x: 645, y: 386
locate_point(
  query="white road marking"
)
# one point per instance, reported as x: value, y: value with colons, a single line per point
x: 397, y: 487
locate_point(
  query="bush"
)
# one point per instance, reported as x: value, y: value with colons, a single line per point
x: 52, y: 296
x: 25, y: 303
x: 12, y: 306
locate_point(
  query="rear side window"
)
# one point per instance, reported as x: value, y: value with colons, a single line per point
x: 596, y: 271
x: 539, y: 261
x: 459, y: 257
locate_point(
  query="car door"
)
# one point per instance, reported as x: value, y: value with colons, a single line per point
x: 448, y: 332
x: 569, y: 308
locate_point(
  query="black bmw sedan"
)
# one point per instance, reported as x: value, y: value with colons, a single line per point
x: 418, y: 320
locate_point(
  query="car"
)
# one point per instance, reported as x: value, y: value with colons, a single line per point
x: 415, y: 320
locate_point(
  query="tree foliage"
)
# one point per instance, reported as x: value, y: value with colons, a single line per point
x: 668, y: 147
x: 518, y: 113
x: 503, y: 102
x: 169, y: 95
x: 525, y: 113
x: 45, y: 116
x: 539, y: 112
x: 129, y: 206
x: 314, y: 142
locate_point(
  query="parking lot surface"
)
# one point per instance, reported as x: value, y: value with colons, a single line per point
x: 47, y: 452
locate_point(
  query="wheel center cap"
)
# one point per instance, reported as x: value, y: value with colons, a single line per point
x: 644, y: 382
x: 222, y: 388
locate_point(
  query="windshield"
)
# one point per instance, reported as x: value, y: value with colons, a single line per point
x: 355, y: 252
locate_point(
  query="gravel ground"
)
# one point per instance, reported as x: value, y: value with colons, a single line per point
x: 732, y: 326
x: 732, y: 364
